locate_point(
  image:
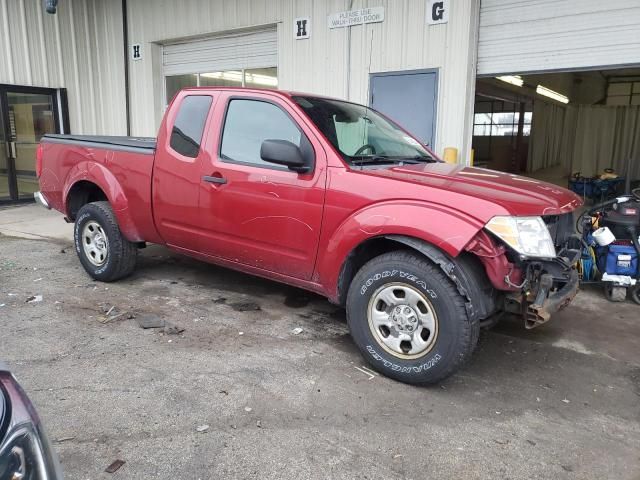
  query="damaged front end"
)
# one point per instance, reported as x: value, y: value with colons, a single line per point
x: 533, y: 286
x: 548, y: 287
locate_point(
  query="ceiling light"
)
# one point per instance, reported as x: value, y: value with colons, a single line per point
x: 551, y: 94
x: 512, y: 79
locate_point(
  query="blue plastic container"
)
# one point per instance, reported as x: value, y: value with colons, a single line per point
x: 622, y: 260
x: 582, y: 186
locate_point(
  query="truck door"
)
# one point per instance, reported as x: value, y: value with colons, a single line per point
x: 258, y: 213
x: 176, y: 170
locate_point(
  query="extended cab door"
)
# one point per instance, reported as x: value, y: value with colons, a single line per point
x: 258, y: 213
x: 176, y: 170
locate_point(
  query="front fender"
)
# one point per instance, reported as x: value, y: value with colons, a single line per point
x: 98, y: 174
x: 443, y: 227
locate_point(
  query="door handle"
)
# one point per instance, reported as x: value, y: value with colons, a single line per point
x: 12, y: 149
x: 218, y: 180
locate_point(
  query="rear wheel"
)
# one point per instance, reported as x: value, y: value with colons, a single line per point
x: 104, y: 252
x: 408, y: 319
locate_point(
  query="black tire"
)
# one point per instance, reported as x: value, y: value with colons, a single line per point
x: 635, y: 294
x: 456, y: 335
x: 120, y: 258
x: 615, y: 294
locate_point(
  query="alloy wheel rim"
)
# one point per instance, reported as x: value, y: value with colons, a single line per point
x: 402, y: 320
x: 95, y: 243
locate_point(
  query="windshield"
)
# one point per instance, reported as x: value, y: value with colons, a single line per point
x: 360, y: 134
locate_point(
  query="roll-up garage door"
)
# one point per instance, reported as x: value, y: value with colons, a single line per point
x: 255, y: 49
x: 524, y: 36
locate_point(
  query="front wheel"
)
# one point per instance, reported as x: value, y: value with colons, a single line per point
x: 104, y: 252
x: 408, y: 319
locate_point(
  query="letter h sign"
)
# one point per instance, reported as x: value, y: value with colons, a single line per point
x: 136, y: 51
x: 302, y: 28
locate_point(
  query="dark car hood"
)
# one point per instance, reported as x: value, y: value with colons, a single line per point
x: 516, y: 194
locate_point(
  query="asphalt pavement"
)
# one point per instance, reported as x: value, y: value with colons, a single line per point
x: 246, y: 378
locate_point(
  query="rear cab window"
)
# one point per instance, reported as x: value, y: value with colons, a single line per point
x: 186, y: 135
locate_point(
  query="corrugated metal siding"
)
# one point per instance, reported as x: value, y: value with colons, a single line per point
x: 320, y: 65
x: 519, y: 36
x: 80, y: 48
x: 237, y: 51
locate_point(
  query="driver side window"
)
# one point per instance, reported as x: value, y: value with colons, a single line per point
x: 247, y: 124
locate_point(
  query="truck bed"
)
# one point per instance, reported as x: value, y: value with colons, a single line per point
x: 132, y: 144
x: 121, y: 168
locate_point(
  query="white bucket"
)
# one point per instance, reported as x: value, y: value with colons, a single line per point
x: 603, y: 236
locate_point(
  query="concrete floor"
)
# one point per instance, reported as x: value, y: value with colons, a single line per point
x: 34, y: 222
x: 557, y: 175
x: 562, y: 401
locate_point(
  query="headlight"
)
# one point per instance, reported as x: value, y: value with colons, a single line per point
x: 25, y: 451
x: 21, y: 456
x: 526, y: 235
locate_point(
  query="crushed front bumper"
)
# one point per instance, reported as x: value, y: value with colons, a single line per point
x: 550, y: 286
x: 546, y: 302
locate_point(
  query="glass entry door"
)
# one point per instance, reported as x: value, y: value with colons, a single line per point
x: 27, y: 113
x: 5, y: 189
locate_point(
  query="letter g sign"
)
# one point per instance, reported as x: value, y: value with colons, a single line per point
x: 437, y: 11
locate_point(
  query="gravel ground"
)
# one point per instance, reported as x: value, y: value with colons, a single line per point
x: 562, y: 401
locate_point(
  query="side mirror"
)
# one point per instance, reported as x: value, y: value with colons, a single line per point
x: 283, y: 152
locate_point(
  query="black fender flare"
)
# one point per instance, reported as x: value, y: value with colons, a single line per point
x: 465, y: 271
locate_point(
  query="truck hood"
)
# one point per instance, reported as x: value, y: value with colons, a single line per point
x: 516, y: 194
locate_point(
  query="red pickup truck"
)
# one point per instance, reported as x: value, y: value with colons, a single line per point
x: 332, y: 197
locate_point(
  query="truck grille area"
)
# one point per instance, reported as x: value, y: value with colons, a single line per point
x: 561, y: 228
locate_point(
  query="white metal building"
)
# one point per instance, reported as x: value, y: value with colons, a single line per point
x: 538, y: 36
x: 588, y: 54
x: 111, y: 66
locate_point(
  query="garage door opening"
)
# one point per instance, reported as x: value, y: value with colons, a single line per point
x: 243, y: 59
x: 560, y: 126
